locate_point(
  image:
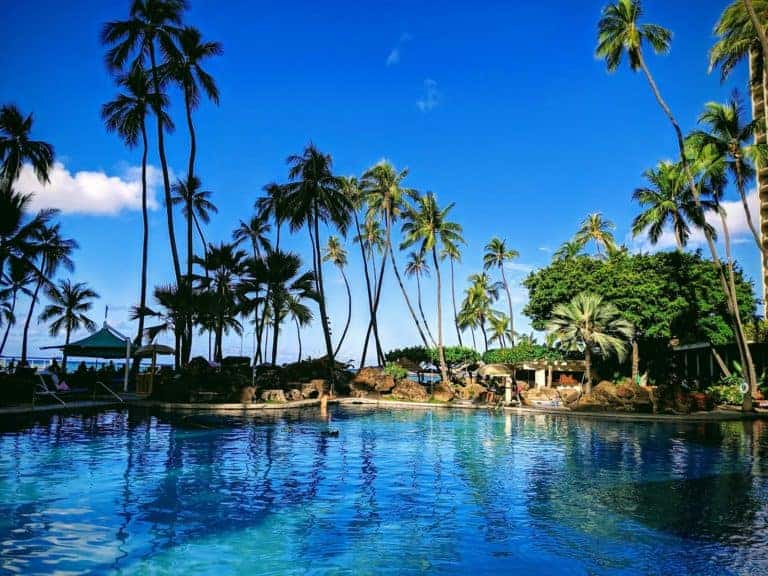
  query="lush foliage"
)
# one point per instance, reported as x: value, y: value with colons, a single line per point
x: 455, y: 355
x: 416, y: 354
x: 395, y: 370
x: 664, y: 295
x: 727, y: 392
x: 524, y: 351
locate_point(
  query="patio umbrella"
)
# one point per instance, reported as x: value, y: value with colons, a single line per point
x: 153, y: 350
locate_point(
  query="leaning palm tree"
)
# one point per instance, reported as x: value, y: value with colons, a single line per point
x: 588, y: 324
x: 387, y: 199
x: 598, y: 230
x: 666, y: 201
x: 453, y: 253
x: 336, y: 254
x: 126, y: 115
x: 53, y: 251
x: 496, y: 256
x: 428, y: 226
x: 152, y: 25
x: 17, y: 147
x: 620, y: 32
x: 14, y: 284
x: 68, y: 310
x: 372, y: 242
x: 415, y: 267
x: 314, y: 196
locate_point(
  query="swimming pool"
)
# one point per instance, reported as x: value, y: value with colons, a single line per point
x: 399, y: 492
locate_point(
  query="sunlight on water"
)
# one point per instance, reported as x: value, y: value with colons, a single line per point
x: 400, y: 492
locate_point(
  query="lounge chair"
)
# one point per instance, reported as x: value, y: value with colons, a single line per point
x: 48, y: 386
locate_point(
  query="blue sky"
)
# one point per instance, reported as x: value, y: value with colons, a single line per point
x: 499, y: 107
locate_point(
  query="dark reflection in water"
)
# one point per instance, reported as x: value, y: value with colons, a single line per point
x: 400, y: 492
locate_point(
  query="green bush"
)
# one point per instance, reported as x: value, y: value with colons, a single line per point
x: 415, y: 353
x: 523, y: 352
x: 396, y: 371
x: 454, y: 355
x: 727, y: 392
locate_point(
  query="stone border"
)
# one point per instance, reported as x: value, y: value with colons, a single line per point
x: 29, y: 409
x: 224, y: 407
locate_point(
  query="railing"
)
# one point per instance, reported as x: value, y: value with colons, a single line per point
x: 108, y: 389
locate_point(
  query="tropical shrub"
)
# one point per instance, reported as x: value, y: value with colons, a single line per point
x: 524, y: 352
x: 416, y: 354
x: 727, y: 392
x: 454, y: 355
x: 396, y: 371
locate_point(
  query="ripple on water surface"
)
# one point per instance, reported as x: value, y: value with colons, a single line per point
x: 400, y: 492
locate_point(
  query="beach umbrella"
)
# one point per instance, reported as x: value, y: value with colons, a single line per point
x: 153, y: 351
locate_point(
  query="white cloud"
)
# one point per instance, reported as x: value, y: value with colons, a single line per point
x: 519, y: 267
x: 394, y: 55
x: 431, y: 97
x: 736, y: 219
x: 87, y: 192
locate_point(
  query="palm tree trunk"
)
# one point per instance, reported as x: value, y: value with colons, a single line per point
x: 728, y: 290
x: 588, y: 368
x: 474, y: 343
x: 453, y: 299
x: 27, y: 322
x: 321, y: 293
x: 349, y: 311
x: 190, y: 216
x: 64, y: 354
x: 485, y: 334
x: 635, y: 360
x: 275, y: 332
x: 758, y: 80
x: 372, y: 321
x: 298, y: 337
x: 511, y: 310
x: 164, y: 166
x: 440, y: 351
x: 8, y: 326
x: 421, y: 309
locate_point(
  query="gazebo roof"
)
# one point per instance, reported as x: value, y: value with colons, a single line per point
x: 104, y: 343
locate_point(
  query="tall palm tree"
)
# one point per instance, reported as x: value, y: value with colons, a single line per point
x: 568, y: 251
x: 589, y: 323
x: 351, y: 187
x: 53, y: 251
x: 667, y: 201
x: 496, y: 256
x: 256, y: 231
x: 272, y: 205
x: 387, y: 199
x: 314, y: 196
x: 188, y: 194
x: 620, y: 32
x: 372, y: 242
x: 17, y: 147
x: 68, y: 310
x: 453, y: 253
x: 597, y: 229
x: 500, y: 328
x: 428, y: 226
x: 476, y: 307
x: 337, y: 255
x: 416, y: 266
x: 151, y: 25
x: 126, y: 115
x: 174, y: 308
x: 18, y: 278
x: 289, y: 288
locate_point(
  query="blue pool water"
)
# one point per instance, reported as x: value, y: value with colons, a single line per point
x: 398, y: 492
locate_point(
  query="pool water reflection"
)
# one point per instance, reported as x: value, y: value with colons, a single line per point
x: 400, y: 492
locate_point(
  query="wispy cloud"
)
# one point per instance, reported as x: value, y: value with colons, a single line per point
x: 395, y: 54
x: 737, y: 226
x: 519, y: 267
x: 88, y: 192
x: 431, y: 97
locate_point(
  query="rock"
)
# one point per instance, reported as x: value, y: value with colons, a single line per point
x: 443, y: 392
x: 273, y: 396
x: 321, y: 385
x: 294, y: 395
x: 372, y: 380
x: 471, y: 391
x: 530, y: 397
x: 626, y: 397
x: 410, y: 390
x: 247, y: 393
x: 313, y: 388
x: 569, y: 395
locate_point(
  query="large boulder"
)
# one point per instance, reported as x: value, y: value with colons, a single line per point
x: 410, y: 390
x: 471, y: 391
x: 607, y: 397
x: 313, y: 388
x: 534, y: 395
x: 443, y: 392
x: 273, y: 396
x: 569, y: 395
x: 247, y: 394
x: 294, y: 394
x: 371, y: 380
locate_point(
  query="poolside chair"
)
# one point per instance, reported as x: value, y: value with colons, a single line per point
x: 48, y: 387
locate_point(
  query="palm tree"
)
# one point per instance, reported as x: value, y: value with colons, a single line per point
x: 16, y: 147
x: 351, y: 187
x: 18, y: 278
x: 417, y: 266
x: 70, y: 304
x: 454, y: 255
x: 17, y: 232
x: 127, y: 115
x: 496, y: 255
x: 428, y: 226
x: 188, y: 193
x: 256, y: 231
x: 314, y: 196
x: 272, y: 205
x: 667, y: 201
x: 620, y: 31
x: 387, y: 198
x: 289, y: 288
x: 567, y: 251
x: 337, y: 254
x: 151, y: 24
x: 53, y: 251
x: 500, y: 328
x: 175, y: 307
x: 372, y: 242
x: 597, y: 229
x: 588, y: 323
x: 476, y: 308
